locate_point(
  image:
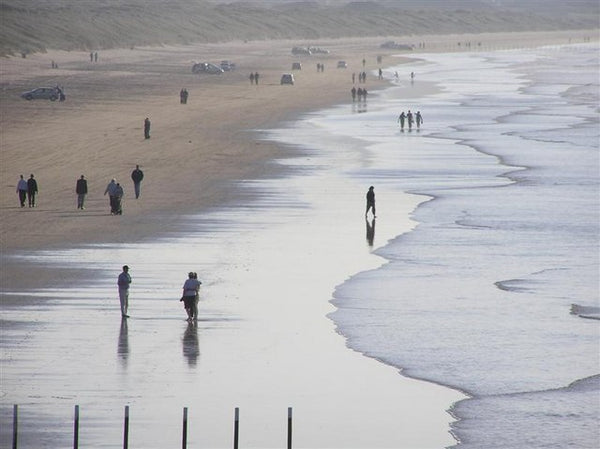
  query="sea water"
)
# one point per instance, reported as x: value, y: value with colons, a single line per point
x: 490, y: 292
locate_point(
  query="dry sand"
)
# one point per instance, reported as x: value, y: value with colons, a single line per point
x: 195, y: 150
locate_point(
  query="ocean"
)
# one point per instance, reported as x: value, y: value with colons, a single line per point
x: 495, y: 292
x: 478, y: 280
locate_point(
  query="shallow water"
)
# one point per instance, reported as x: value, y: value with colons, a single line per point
x: 479, y: 296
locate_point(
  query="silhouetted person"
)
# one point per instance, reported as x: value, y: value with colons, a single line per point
x: 251, y: 78
x: 81, y: 189
x: 111, y: 189
x: 418, y: 119
x: 136, y: 176
x: 32, y: 190
x: 353, y: 92
x: 401, y: 119
x: 118, y: 199
x: 123, y: 282
x: 410, y: 119
x: 22, y: 191
x: 256, y: 78
x: 147, y: 128
x: 370, y: 201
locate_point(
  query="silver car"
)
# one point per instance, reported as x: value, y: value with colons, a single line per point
x: 43, y: 93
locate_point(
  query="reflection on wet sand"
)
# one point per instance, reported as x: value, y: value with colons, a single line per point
x: 370, y: 230
x: 123, y: 345
x: 191, y: 347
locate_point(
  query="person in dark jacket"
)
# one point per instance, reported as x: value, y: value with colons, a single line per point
x: 81, y: 189
x: 32, y: 190
x: 147, y: 128
x: 137, y: 175
x: 370, y: 200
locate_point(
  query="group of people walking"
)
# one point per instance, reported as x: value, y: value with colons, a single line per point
x: 190, y: 296
x: 362, y: 77
x: 115, y: 192
x: 254, y: 78
x: 183, y: 96
x: 27, y: 190
x: 410, y: 119
x: 360, y: 93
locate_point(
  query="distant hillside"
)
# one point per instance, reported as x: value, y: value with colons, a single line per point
x: 36, y: 25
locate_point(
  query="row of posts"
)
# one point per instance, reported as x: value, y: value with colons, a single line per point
x: 236, y: 428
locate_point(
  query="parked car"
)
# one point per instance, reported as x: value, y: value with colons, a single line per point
x: 207, y: 67
x: 296, y: 66
x: 301, y: 51
x: 42, y: 93
x: 227, y: 65
x: 287, y: 78
x: 342, y: 65
x: 396, y: 46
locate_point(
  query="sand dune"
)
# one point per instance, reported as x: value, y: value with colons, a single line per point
x: 33, y: 25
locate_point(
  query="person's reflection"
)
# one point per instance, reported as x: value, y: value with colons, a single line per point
x: 191, y: 348
x: 370, y: 230
x: 123, y: 346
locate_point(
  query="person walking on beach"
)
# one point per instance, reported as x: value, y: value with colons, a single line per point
x: 111, y: 189
x: 137, y: 175
x: 410, y: 119
x: 190, y: 290
x: 370, y: 201
x: 123, y: 282
x: 32, y: 190
x: 418, y: 119
x: 22, y: 191
x: 251, y: 77
x: 118, y: 198
x: 401, y: 119
x: 353, y: 93
x: 256, y: 78
x: 147, y: 128
x: 81, y: 189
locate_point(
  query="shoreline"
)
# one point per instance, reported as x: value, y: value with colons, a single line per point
x: 164, y: 227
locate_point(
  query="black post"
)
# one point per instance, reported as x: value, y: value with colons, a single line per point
x: 126, y: 428
x: 236, y: 428
x: 185, y: 424
x: 76, y: 428
x: 15, y: 425
x: 289, y: 439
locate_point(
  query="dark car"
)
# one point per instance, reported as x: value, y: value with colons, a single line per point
x: 43, y: 93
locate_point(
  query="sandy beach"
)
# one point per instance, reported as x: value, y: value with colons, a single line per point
x: 194, y: 160
x: 194, y: 150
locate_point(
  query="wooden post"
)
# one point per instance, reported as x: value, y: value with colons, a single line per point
x: 185, y: 425
x: 15, y: 425
x: 76, y: 428
x: 126, y: 428
x: 236, y: 428
x: 289, y: 437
